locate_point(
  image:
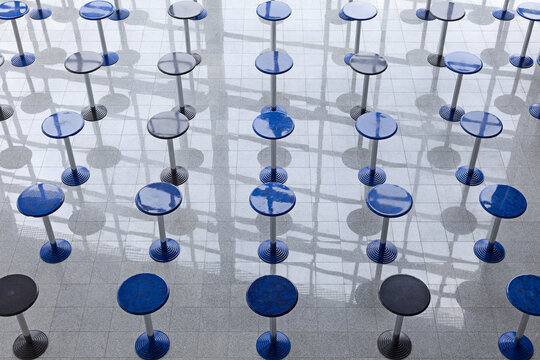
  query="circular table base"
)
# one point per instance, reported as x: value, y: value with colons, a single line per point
x: 347, y: 58
x: 386, y: 256
x: 30, y: 350
x: 522, y: 351
x: 357, y: 111
x: 494, y: 256
x: 6, y: 111
x: 503, y: 15
x: 197, y: 58
x: 464, y: 176
x: 40, y: 14
x: 399, y: 350
x: 449, y: 114
x: 94, y: 113
x: 273, y: 350
x: 156, y: 349
x: 164, y: 253
x: 188, y: 110
x: 110, y: 58
x: 178, y: 178
x: 280, y: 175
x: 53, y: 255
x: 23, y: 60
x: 516, y: 60
x: 273, y: 257
x: 119, y: 14
x: 77, y: 177
x: 534, y: 110
x: 436, y: 60
x: 268, y: 108
x: 371, y: 177
x: 424, y: 14
x: 201, y: 16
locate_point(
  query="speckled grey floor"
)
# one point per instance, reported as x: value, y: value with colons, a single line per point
x: 338, y: 314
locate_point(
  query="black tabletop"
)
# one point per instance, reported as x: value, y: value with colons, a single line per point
x: 185, y: 9
x: 17, y: 294
x: 404, y: 295
x: 447, y: 11
x: 368, y: 63
x: 176, y: 63
x: 168, y: 125
x: 83, y: 62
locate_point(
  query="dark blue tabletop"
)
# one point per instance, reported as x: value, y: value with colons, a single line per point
x: 158, y: 198
x: 404, y: 295
x: 168, y: 125
x: 376, y: 125
x: 142, y: 294
x: 185, y: 10
x: 503, y: 201
x: 529, y: 10
x: 62, y: 124
x: 12, y: 10
x: 360, y: 11
x: 463, y: 62
x: 481, y: 124
x: 523, y: 292
x: 272, y: 199
x: 83, y: 62
x: 96, y: 10
x: 272, y: 296
x: 274, y: 62
x: 176, y: 63
x: 273, y: 125
x: 17, y: 294
x: 389, y: 200
x: 447, y: 11
x: 273, y: 10
x: 368, y: 63
x: 40, y: 200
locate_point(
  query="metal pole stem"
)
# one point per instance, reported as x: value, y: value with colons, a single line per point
x: 456, y: 90
x: 357, y: 38
x: 474, y: 154
x: 273, y: 35
x: 149, y: 327
x: 70, y: 154
x: 116, y: 4
x: 17, y: 37
x: 180, y: 92
x: 49, y: 230
x: 505, y: 6
x: 273, y: 91
x: 442, y: 38
x: 527, y: 38
x: 521, y: 327
x: 102, y: 37
x: 494, y: 231
x: 373, y: 160
x: 24, y: 327
x: 172, y: 160
x: 161, y: 227
x: 38, y: 4
x: 273, y: 225
x: 186, y: 33
x: 273, y: 329
x: 397, y: 329
x: 89, y: 91
x: 384, y: 231
x: 273, y: 154
x: 428, y: 5
x: 365, y: 88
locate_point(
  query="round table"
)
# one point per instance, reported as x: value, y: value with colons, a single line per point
x: 17, y: 294
x: 97, y: 11
x: 272, y: 296
x: 273, y: 63
x: 367, y: 64
x: 357, y: 11
x: 531, y: 12
x: 169, y: 125
x: 503, y: 202
x: 273, y: 126
x: 274, y: 10
x: 403, y: 295
x: 41, y: 200
x: 523, y: 292
x: 481, y: 125
x: 388, y: 201
x: 178, y: 64
x: 186, y: 10
x: 12, y: 10
x: 446, y: 12
x: 143, y: 294
x: 62, y: 125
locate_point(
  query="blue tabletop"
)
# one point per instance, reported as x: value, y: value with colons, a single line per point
x: 463, y: 62
x: 523, y: 292
x: 12, y: 10
x: 529, y: 10
x: 273, y: 10
x: 62, y: 124
x: 40, y: 200
x: 274, y: 62
x: 360, y: 11
x: 96, y: 10
x: 388, y: 200
x: 272, y: 296
x: 376, y: 125
x: 481, y: 124
x: 273, y: 125
x: 158, y: 198
x: 272, y: 199
x: 142, y: 294
x: 368, y: 63
x: 503, y: 201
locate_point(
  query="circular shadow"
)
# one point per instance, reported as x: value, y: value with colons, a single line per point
x: 409, y: 16
x: 458, y: 220
x: 129, y: 57
x: 417, y: 57
x: 356, y: 157
x: 183, y: 221
x: 79, y: 226
x: 36, y: 103
x: 103, y: 157
x: 338, y: 55
x: 189, y: 157
x: 284, y: 224
x: 115, y: 103
x: 15, y: 157
x: 429, y: 103
x: 283, y: 155
x: 52, y: 56
x: 136, y: 16
x: 511, y: 104
x: 333, y: 17
x: 65, y: 14
x: 356, y: 220
x: 480, y: 16
x: 494, y: 57
x: 444, y: 158
x: 345, y: 102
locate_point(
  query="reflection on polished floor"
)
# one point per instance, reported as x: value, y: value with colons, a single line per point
x: 338, y: 314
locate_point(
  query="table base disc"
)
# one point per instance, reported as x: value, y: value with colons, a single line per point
x: 436, y: 60
x: 179, y: 178
x: 424, y: 14
x: 273, y: 350
x: 371, y: 178
x: 6, y: 111
x: 119, y: 14
x: 189, y: 111
x: 357, y: 111
x: 94, y: 113
x: 386, y: 256
x: 534, y: 110
x: 197, y: 58
x: 464, y: 176
x: 347, y: 58
x: 152, y: 349
x: 30, y: 350
x: 449, y: 114
x: 40, y: 14
x: 201, y: 16
x: 164, y: 253
x: 77, y: 177
x: 399, y: 350
x: 280, y: 175
x: 508, y: 347
x: 273, y: 257
x: 503, y: 15
x: 110, y: 58
x: 53, y: 255
x: 494, y: 256
x: 23, y: 60
x: 521, y: 62
x: 268, y: 108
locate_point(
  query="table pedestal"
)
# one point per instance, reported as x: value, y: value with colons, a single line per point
x: 187, y: 110
x: 273, y: 344
x: 522, y: 60
x: 188, y: 42
x: 164, y: 249
x: 372, y: 175
x: 176, y: 175
x: 489, y: 250
x: 273, y: 173
x: 453, y: 112
x: 109, y: 57
x: 31, y: 344
x: 119, y: 13
x: 273, y: 251
x: 356, y: 43
x: 382, y: 251
x: 75, y: 175
x: 503, y: 14
x: 395, y: 344
x: 438, y: 58
x: 152, y: 344
x: 94, y: 112
x: 362, y: 109
x: 424, y: 14
x: 39, y: 13
x: 470, y: 175
x: 56, y: 250
x: 21, y: 59
x: 515, y: 345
